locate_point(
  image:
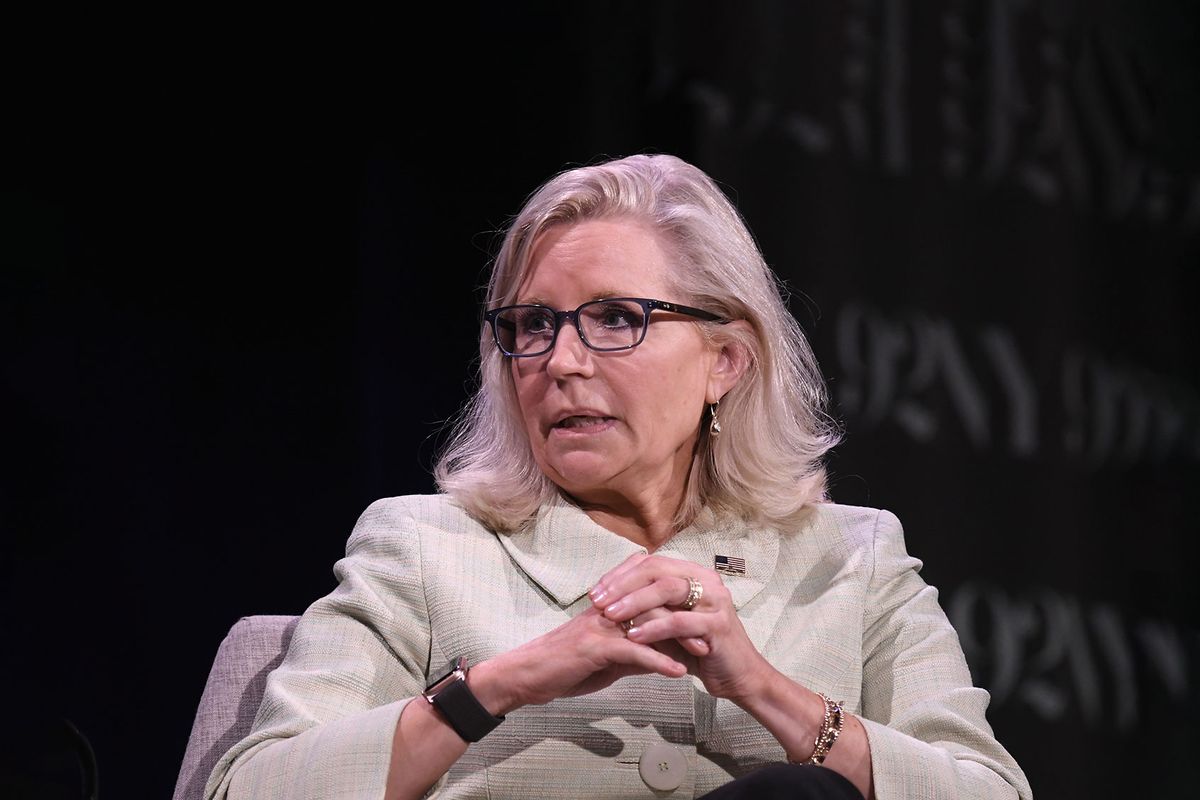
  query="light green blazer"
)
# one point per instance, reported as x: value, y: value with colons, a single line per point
x: 837, y: 605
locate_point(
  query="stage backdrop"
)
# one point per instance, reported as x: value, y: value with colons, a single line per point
x: 241, y: 300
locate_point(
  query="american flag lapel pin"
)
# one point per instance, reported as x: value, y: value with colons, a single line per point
x: 729, y: 565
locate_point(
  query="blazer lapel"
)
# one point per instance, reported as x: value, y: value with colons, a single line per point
x: 565, y: 552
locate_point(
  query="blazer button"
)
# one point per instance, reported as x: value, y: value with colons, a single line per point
x: 663, y: 767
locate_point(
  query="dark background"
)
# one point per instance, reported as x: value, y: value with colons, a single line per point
x: 239, y: 300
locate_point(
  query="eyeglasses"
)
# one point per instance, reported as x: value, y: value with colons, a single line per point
x: 616, y: 323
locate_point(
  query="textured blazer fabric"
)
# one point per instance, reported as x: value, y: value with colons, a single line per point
x: 837, y: 604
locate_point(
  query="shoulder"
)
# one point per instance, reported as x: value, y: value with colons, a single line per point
x: 419, y: 508
x: 850, y: 526
x: 412, y: 517
x: 854, y: 537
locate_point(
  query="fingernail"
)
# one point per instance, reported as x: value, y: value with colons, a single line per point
x: 598, y: 595
x: 615, y: 607
x: 634, y: 631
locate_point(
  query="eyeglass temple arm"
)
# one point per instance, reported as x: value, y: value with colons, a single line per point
x: 681, y: 309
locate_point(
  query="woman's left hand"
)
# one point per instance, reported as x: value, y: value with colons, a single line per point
x: 650, y: 591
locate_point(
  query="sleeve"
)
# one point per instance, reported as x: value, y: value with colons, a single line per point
x: 925, y: 721
x: 325, y: 726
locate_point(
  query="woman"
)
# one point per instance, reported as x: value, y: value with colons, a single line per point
x: 631, y: 567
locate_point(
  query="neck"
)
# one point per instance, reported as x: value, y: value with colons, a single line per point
x: 645, y: 515
x: 648, y: 521
x: 651, y: 533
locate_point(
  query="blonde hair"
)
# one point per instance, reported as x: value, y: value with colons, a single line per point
x: 767, y: 464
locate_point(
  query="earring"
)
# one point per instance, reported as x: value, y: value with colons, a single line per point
x: 714, y: 424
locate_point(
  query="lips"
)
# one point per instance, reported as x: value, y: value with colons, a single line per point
x: 577, y: 421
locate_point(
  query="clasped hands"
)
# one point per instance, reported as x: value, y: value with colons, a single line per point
x: 647, y: 597
x: 592, y: 650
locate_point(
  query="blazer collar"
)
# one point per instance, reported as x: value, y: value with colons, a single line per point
x: 566, y: 553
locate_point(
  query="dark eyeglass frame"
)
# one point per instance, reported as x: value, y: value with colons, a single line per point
x: 648, y: 305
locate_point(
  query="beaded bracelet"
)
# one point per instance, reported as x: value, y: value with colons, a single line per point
x: 831, y: 728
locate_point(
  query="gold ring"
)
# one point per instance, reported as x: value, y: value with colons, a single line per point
x: 626, y: 625
x: 695, y: 592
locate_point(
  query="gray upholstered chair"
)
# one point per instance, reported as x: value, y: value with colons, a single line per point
x: 253, y: 647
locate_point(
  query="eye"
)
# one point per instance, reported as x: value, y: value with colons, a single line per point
x: 617, y: 316
x: 535, y: 322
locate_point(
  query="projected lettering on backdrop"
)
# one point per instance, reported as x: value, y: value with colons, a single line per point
x: 925, y: 375
x: 1055, y: 654
x: 1063, y: 117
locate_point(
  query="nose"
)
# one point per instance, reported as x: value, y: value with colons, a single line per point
x: 569, y: 355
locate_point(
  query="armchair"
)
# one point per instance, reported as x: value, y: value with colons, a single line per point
x: 253, y: 647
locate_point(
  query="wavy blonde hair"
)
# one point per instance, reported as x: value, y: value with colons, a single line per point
x: 767, y: 465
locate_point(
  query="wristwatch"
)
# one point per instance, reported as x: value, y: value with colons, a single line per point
x: 450, y: 695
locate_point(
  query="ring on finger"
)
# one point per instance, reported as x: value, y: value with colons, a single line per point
x: 695, y: 592
x: 626, y: 625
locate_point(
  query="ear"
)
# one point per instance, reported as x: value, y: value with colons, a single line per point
x: 732, y: 361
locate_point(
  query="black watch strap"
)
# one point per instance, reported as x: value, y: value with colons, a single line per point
x: 453, y: 698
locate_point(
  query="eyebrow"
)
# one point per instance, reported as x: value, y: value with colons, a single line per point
x: 603, y: 294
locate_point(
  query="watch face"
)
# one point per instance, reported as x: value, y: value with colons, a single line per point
x: 452, y: 697
x: 457, y: 670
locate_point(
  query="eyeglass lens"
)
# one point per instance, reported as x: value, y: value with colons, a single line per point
x: 604, y: 325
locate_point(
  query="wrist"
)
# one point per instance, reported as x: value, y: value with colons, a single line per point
x: 493, y: 692
x: 760, y: 687
x: 791, y: 712
x: 450, y: 693
x: 832, y: 721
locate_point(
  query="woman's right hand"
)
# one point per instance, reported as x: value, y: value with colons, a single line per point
x: 581, y: 656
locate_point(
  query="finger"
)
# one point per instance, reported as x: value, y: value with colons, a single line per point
x: 634, y: 573
x: 680, y: 651
x: 690, y: 645
x: 665, y: 590
x: 680, y: 625
x: 603, y: 592
x: 618, y: 630
x: 646, y: 658
x: 671, y: 577
x: 637, y: 619
x: 694, y: 593
x: 656, y: 594
x: 641, y: 569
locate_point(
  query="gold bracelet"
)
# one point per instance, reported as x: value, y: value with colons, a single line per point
x: 831, y: 728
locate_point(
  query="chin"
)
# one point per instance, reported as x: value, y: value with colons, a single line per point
x: 580, y: 472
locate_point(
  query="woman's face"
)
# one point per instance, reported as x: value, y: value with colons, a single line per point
x: 617, y: 427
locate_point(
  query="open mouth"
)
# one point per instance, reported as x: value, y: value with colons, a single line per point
x: 580, y: 421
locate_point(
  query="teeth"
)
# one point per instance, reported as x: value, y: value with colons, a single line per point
x: 580, y: 422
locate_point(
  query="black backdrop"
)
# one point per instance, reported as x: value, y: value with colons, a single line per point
x: 240, y: 286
